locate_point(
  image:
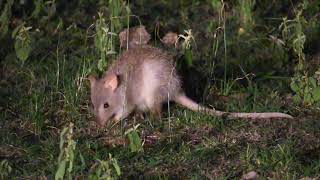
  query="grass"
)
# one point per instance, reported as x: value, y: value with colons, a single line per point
x: 38, y: 103
x: 194, y: 145
x: 43, y: 95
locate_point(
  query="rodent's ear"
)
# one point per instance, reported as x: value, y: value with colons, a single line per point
x: 112, y: 81
x: 92, y: 80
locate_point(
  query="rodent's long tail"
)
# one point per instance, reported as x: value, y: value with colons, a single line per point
x: 187, y: 102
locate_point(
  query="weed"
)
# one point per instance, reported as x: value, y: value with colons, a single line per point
x: 5, y: 17
x: 108, y: 169
x: 306, y: 88
x: 66, y: 157
x: 5, y: 169
x: 292, y: 31
x: 22, y: 42
x: 103, y: 42
x: 134, y: 139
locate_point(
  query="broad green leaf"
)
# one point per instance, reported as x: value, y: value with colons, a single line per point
x: 316, y: 93
x: 294, y: 86
x: 137, y: 140
x: 296, y: 98
x: 308, y: 98
x: 312, y: 81
x: 23, y: 49
x: 134, y: 141
x: 216, y: 4
x: 131, y: 144
x: 61, y: 170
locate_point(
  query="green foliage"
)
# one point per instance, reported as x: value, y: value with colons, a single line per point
x: 293, y: 33
x: 246, y: 14
x: 66, y: 157
x: 36, y: 111
x: 307, y: 90
x: 5, y: 169
x: 23, y: 44
x: 103, y: 42
x: 106, y: 31
x: 216, y: 4
x: 135, y: 142
x: 108, y: 169
x: 115, y: 8
x: 5, y: 17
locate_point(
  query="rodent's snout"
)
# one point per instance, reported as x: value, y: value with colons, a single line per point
x: 100, y: 122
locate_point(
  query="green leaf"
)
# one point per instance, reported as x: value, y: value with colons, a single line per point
x: 296, y: 99
x: 294, y: 86
x: 313, y: 81
x: 71, y: 156
x: 62, y: 141
x: 308, y: 98
x: 216, y: 4
x: 135, y: 141
x: 38, y: 6
x: 188, y: 55
x: 83, y: 162
x: 316, y: 93
x: 116, y: 167
x: 61, y: 170
x: 131, y: 144
x: 23, y: 49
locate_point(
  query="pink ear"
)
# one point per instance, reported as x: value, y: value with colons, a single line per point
x: 111, y: 81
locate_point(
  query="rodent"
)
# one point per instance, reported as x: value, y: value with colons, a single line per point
x: 142, y: 79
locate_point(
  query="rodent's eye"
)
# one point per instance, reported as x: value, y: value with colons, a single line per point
x: 106, y: 105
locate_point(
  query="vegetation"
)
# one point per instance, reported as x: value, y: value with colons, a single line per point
x: 244, y: 55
